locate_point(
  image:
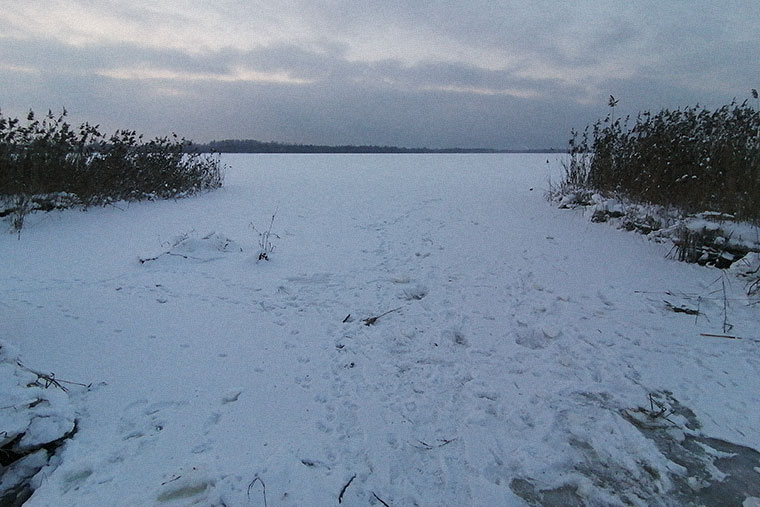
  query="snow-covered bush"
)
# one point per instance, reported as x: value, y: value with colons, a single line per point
x: 693, y: 159
x: 748, y: 268
x: 50, y: 157
x: 707, y: 238
x: 35, y: 418
x: 689, y: 176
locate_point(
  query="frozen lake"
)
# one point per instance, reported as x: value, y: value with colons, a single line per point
x: 513, y: 345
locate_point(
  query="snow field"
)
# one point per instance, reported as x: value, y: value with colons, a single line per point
x: 518, y: 336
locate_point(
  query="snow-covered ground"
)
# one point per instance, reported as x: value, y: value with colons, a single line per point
x: 522, y: 360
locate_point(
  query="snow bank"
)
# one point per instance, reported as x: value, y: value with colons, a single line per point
x: 35, y: 418
x: 707, y: 238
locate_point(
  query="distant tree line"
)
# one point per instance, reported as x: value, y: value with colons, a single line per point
x: 253, y: 146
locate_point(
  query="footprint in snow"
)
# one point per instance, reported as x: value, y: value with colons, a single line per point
x: 534, y: 338
x: 143, y: 421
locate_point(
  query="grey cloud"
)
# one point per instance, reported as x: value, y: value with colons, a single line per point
x: 647, y: 55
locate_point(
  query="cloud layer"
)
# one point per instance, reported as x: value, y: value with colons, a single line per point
x: 438, y: 74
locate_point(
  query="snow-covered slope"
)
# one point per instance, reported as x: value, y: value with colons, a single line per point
x: 525, y: 357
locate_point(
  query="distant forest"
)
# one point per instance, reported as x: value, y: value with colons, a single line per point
x: 253, y: 146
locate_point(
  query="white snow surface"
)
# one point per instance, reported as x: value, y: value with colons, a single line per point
x: 518, y: 335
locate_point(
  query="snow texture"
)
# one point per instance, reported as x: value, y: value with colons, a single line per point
x: 517, y: 354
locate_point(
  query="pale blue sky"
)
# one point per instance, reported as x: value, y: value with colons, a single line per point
x: 499, y: 74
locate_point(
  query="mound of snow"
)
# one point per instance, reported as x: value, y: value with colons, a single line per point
x: 188, y: 246
x: 34, y: 419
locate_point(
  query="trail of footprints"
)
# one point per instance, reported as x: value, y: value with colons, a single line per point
x: 412, y: 373
x: 396, y: 410
x: 395, y: 393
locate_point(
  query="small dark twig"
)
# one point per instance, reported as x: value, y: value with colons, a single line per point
x: 114, y: 206
x: 721, y: 336
x: 347, y: 318
x: 728, y: 336
x: 662, y: 413
x: 652, y: 403
x: 726, y: 326
x: 87, y: 386
x: 380, y: 499
x: 50, y: 380
x: 343, y: 490
x: 680, y: 309
x: 171, y: 480
x: 685, y: 295
x: 426, y: 447
x: 753, y: 287
x: 263, y: 487
x: 371, y: 320
x: 147, y: 259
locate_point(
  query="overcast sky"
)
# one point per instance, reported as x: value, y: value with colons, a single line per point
x: 467, y: 73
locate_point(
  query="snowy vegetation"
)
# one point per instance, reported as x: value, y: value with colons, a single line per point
x: 47, y: 164
x: 692, y: 159
x: 690, y: 177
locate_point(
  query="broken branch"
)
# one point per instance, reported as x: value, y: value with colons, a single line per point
x: 728, y: 336
x: 263, y: 487
x: 380, y: 499
x: 371, y: 320
x: 680, y: 309
x: 343, y: 490
x: 426, y: 447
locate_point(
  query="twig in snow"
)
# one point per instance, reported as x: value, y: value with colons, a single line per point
x: 685, y: 295
x: 426, y: 447
x: 50, y: 379
x: 263, y: 487
x: 343, y: 490
x: 147, y: 259
x: 114, y: 206
x: 347, y: 318
x: 380, y: 499
x: 314, y: 463
x: 87, y: 386
x: 371, y: 320
x: 171, y: 480
x: 663, y: 412
x: 726, y: 326
x: 753, y: 287
x: 680, y: 309
x: 266, y: 247
x: 720, y: 336
x: 728, y: 336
